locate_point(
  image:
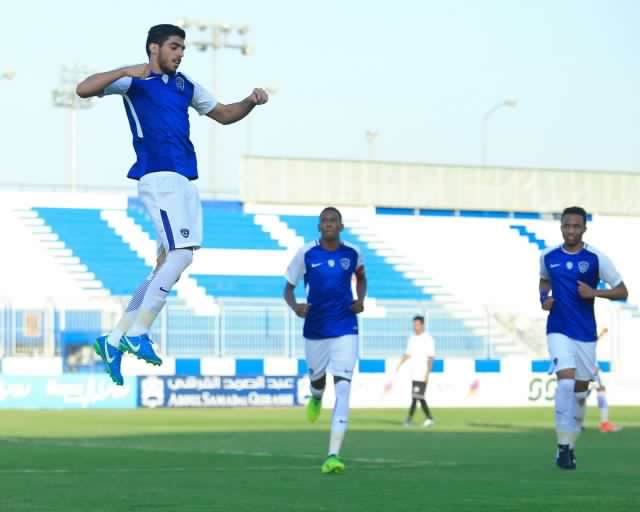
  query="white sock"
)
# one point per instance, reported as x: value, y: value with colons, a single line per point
x: 340, y: 416
x: 129, y: 316
x: 317, y: 393
x: 159, y: 287
x: 603, y: 406
x: 581, y: 410
x: 566, y: 411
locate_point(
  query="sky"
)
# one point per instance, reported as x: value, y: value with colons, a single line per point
x: 422, y: 74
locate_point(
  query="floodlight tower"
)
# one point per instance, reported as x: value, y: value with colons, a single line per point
x: 216, y: 37
x: 64, y: 96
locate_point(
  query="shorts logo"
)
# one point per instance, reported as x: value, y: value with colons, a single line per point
x: 345, y: 263
x: 331, y: 263
x: 583, y: 266
x: 184, y: 233
x: 180, y: 83
x: 569, y: 265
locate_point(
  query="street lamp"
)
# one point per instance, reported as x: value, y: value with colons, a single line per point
x: 508, y: 103
x: 64, y: 96
x: 371, y: 136
x: 220, y: 36
x: 8, y: 74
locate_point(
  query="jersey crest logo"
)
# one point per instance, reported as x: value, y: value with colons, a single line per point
x: 583, y: 266
x: 180, y: 83
x: 331, y: 263
x: 569, y: 265
x: 184, y: 233
x: 345, y: 263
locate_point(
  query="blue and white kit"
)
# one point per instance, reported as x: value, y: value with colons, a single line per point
x: 157, y: 109
x: 330, y: 327
x: 571, y: 325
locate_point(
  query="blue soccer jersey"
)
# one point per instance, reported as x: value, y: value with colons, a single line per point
x: 157, y: 108
x: 572, y: 315
x: 327, y: 279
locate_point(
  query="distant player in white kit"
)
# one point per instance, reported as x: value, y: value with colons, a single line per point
x: 569, y: 277
x: 327, y: 267
x: 156, y: 99
x: 606, y: 425
x: 419, y: 353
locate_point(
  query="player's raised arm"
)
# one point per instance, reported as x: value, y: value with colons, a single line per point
x: 94, y: 85
x: 227, y: 114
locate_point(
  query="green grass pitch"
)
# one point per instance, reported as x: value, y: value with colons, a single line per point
x: 263, y: 460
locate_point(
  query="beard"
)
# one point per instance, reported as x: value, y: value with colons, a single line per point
x: 167, y: 65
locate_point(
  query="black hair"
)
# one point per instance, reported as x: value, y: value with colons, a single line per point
x: 419, y: 318
x: 158, y: 34
x: 332, y: 209
x: 575, y: 210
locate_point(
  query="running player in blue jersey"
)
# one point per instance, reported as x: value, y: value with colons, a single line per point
x: 156, y: 99
x: 569, y: 277
x: 330, y: 332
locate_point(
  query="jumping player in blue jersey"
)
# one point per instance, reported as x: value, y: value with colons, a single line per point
x: 569, y: 277
x: 330, y: 332
x: 156, y: 99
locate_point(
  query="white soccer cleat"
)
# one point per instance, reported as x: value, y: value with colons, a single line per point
x: 427, y: 423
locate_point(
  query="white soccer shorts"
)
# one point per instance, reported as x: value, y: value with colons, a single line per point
x: 336, y: 356
x: 173, y: 203
x: 567, y: 353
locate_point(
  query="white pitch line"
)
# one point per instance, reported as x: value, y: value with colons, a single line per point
x: 243, y: 469
x: 150, y: 470
x: 378, y: 461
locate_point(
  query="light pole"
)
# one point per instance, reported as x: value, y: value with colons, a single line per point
x: 509, y: 103
x: 8, y: 74
x: 371, y: 136
x: 220, y: 36
x: 64, y: 96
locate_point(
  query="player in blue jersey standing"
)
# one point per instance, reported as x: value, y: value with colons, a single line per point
x: 330, y: 332
x: 156, y: 99
x: 569, y: 277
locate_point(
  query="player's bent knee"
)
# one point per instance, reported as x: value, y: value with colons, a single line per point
x: 338, y: 378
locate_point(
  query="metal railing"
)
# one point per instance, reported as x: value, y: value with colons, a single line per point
x: 244, y: 328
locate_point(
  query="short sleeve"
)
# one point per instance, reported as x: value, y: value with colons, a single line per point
x: 544, y: 273
x: 296, y: 269
x: 120, y: 86
x: 608, y: 272
x: 203, y: 102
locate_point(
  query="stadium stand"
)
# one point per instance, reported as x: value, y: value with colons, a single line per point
x: 470, y: 273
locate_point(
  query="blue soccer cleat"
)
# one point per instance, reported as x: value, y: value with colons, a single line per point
x: 565, y: 458
x: 111, y: 357
x: 141, y: 347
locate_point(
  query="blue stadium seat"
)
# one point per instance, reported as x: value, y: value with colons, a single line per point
x: 99, y: 248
